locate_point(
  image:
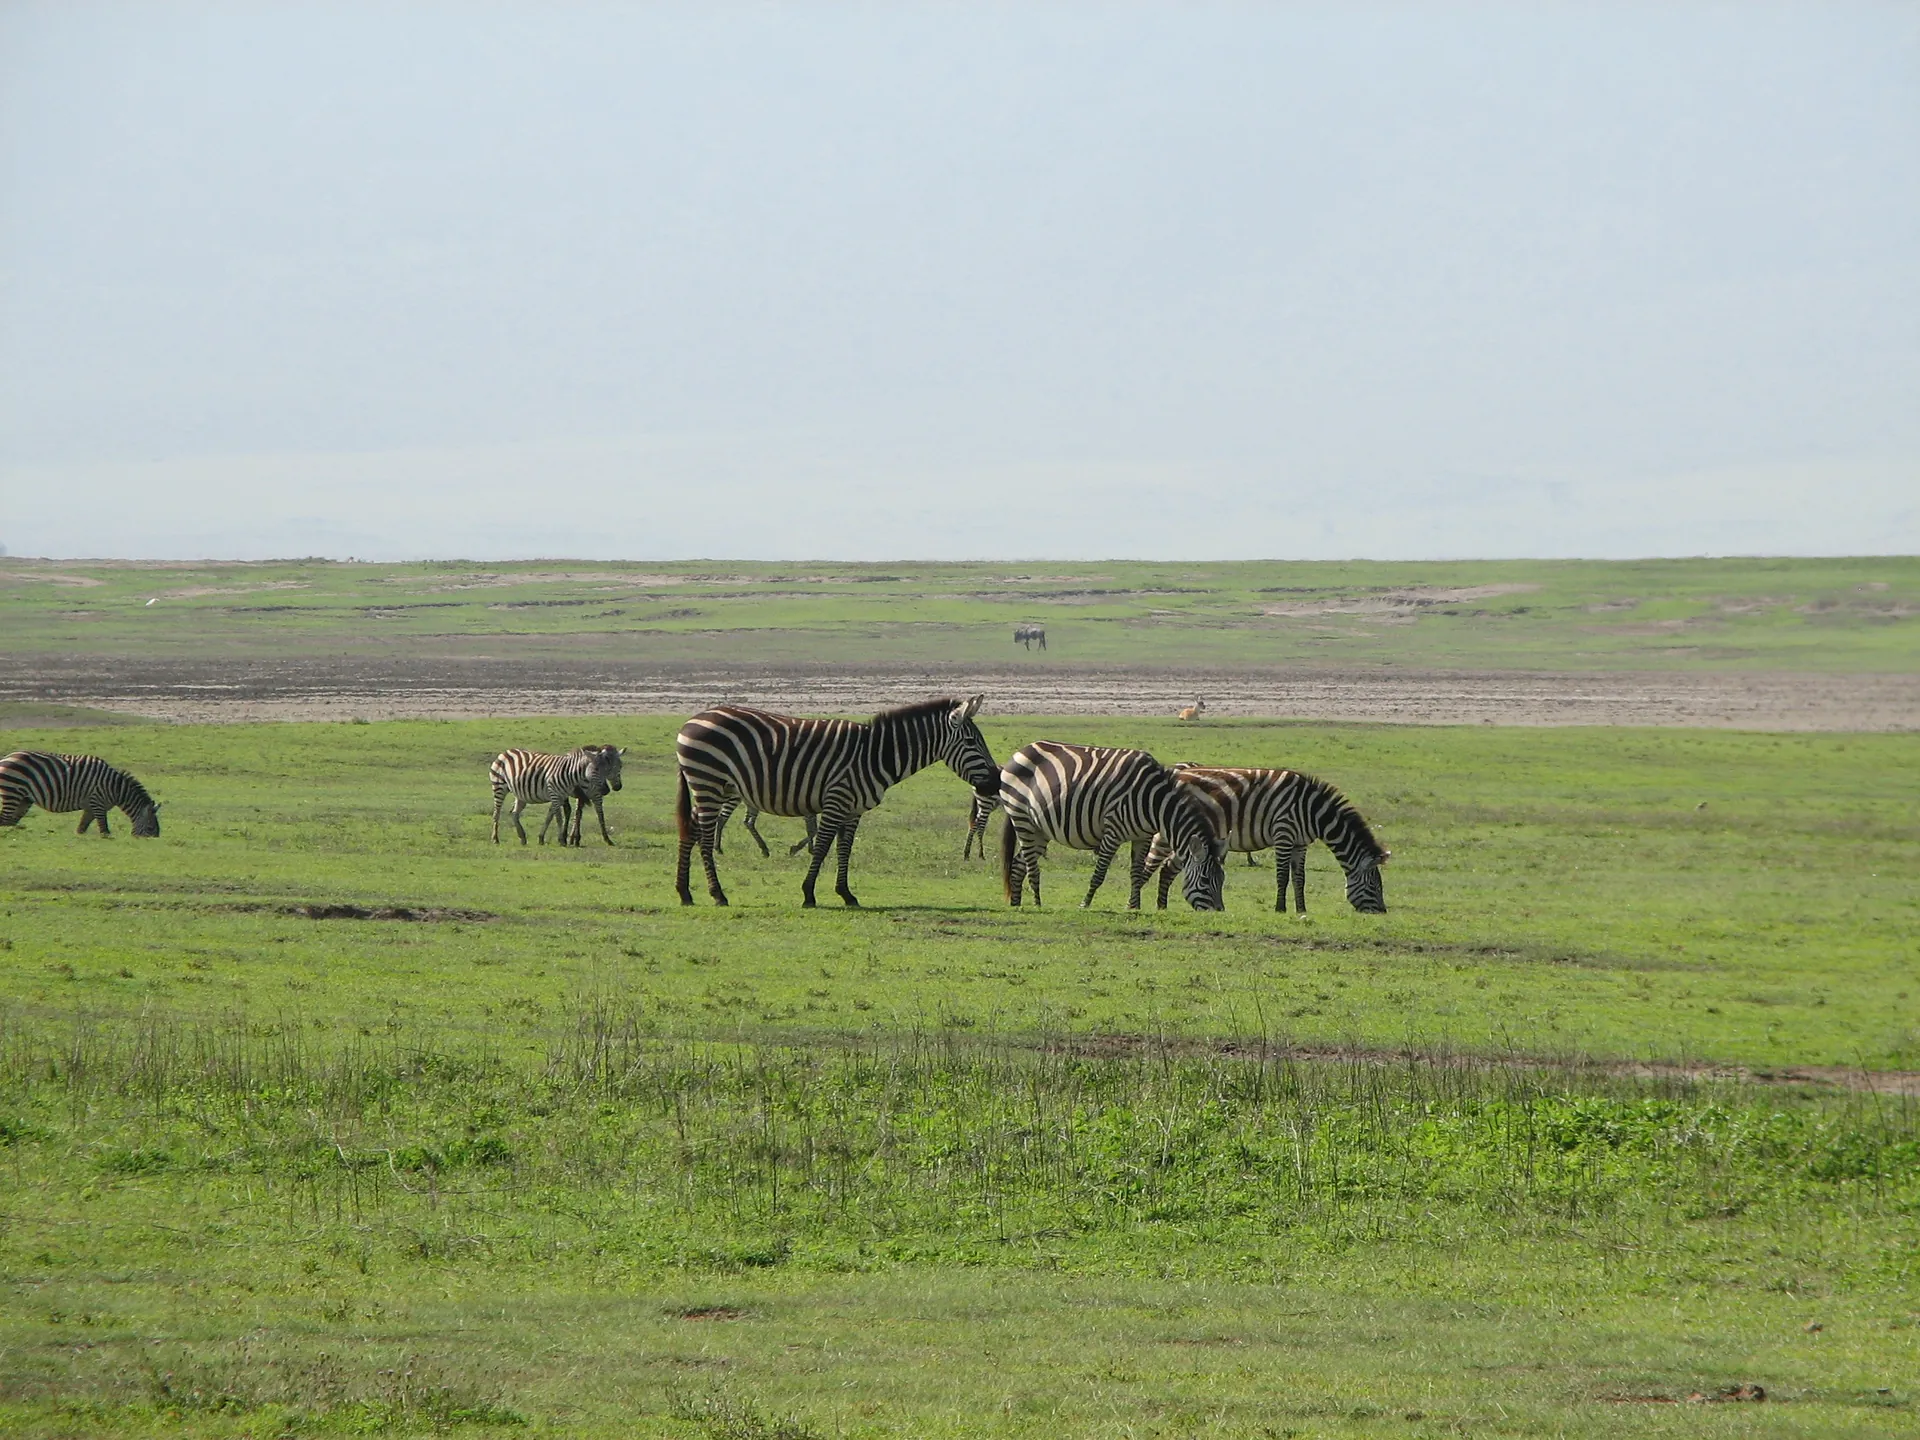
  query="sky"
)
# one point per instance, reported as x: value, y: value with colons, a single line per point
x: 889, y: 281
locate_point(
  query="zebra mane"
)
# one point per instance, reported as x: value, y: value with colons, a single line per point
x: 1356, y: 822
x: 918, y: 710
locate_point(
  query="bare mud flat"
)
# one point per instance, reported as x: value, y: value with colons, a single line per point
x: 363, y: 688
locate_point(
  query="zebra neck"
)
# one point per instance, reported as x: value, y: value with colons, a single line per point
x: 903, y: 747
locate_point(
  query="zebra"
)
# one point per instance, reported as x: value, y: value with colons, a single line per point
x: 1027, y: 635
x: 60, y: 783
x: 1289, y: 811
x: 1093, y: 797
x: 835, y: 769
x: 977, y: 816
x: 533, y: 775
x: 571, y: 811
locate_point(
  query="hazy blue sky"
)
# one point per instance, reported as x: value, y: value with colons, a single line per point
x: 872, y: 281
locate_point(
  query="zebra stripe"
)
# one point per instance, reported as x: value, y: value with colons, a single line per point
x: 60, y: 783
x: 1093, y: 797
x: 535, y: 777
x: 835, y: 769
x: 1288, y: 811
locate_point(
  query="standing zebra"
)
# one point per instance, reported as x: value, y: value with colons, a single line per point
x: 60, y: 783
x: 571, y: 812
x: 1289, y: 811
x: 534, y: 776
x: 835, y: 769
x: 1092, y: 797
x: 978, y: 814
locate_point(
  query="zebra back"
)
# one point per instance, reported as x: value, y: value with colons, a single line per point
x: 59, y: 783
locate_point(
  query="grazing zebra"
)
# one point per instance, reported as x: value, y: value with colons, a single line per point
x: 60, y: 783
x: 1029, y: 635
x: 835, y: 769
x: 978, y: 814
x: 1092, y: 797
x: 1289, y: 811
x: 534, y: 776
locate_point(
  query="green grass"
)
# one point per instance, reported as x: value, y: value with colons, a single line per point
x: 1551, y: 892
x: 565, y: 1155
x: 1825, y: 615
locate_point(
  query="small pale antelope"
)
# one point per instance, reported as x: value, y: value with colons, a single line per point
x: 1194, y: 711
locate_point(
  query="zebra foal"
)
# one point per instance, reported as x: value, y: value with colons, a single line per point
x: 533, y: 777
x: 61, y: 783
x: 1288, y: 811
x: 1093, y: 797
x: 836, y: 770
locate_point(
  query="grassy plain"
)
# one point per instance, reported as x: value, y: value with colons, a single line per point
x: 1817, y: 615
x: 559, y: 1154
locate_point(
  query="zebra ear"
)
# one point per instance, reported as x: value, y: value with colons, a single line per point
x: 972, y: 707
x: 621, y: 751
x: 1385, y: 855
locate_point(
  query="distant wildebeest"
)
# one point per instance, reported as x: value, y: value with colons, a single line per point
x: 1029, y: 635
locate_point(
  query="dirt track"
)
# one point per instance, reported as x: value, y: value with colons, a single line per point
x: 310, y: 688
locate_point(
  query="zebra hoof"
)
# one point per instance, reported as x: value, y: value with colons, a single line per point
x: 850, y: 902
x: 808, y: 903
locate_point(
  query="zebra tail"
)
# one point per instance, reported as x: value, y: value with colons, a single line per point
x: 1007, y: 842
x: 683, y: 811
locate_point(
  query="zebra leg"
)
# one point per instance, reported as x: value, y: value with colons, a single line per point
x: 823, y: 836
x: 559, y: 808
x: 13, y: 809
x: 86, y: 819
x: 848, y: 828
x: 753, y: 829
x: 1300, y: 878
x: 599, y: 813
x: 519, y: 805
x: 1102, y: 858
x: 813, y: 824
x: 1252, y: 859
x: 709, y: 829
x: 1136, y: 873
x: 499, y: 797
x: 1282, y: 872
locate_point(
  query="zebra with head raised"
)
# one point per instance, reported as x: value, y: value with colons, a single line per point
x: 1288, y: 811
x: 61, y: 783
x: 534, y: 777
x: 1093, y: 797
x: 834, y: 769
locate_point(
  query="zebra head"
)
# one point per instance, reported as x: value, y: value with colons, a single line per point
x: 1201, y: 852
x: 603, y: 765
x: 966, y: 750
x: 1366, y: 890
x: 146, y: 820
